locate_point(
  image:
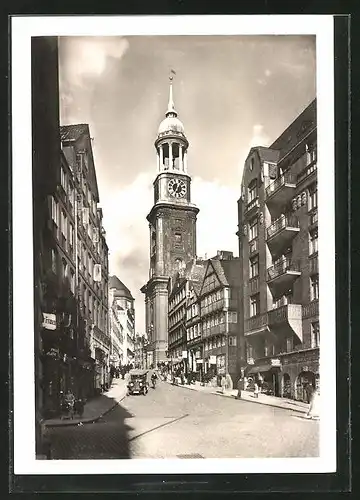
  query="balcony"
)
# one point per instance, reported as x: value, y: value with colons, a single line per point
x: 287, y: 319
x: 281, y: 276
x: 252, y: 206
x: 281, y: 232
x: 218, y: 305
x: 307, y: 172
x: 256, y: 325
x: 280, y: 191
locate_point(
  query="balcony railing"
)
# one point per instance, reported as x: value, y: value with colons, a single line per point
x: 285, y: 312
x: 252, y: 204
x: 282, y: 267
x: 281, y: 223
x: 286, y: 178
x: 308, y: 170
x: 256, y: 322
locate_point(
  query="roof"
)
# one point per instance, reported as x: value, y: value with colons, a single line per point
x: 121, y: 289
x: 217, y: 265
x: 73, y: 132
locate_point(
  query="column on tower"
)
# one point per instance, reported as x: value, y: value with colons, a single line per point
x: 170, y: 155
x: 185, y: 161
x: 181, y: 152
x: 158, y: 160
x: 161, y: 151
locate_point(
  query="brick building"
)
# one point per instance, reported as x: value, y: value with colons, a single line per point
x: 278, y: 234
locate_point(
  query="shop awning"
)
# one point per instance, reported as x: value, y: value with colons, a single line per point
x: 261, y: 368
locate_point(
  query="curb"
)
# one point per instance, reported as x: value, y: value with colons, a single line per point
x: 243, y: 399
x: 88, y: 420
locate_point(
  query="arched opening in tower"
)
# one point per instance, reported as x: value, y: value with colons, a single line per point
x: 166, y: 155
x: 176, y: 156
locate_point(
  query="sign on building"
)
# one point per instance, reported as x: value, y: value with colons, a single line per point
x: 212, y: 360
x: 184, y: 354
x: 49, y: 321
x: 275, y: 362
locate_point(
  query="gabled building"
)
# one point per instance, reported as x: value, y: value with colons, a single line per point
x: 220, y: 317
x: 124, y: 303
x: 195, y: 346
x: 180, y: 286
x: 278, y: 248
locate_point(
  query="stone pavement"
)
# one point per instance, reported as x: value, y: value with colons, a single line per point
x: 287, y: 404
x: 96, y: 407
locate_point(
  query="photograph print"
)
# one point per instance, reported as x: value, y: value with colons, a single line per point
x: 177, y: 190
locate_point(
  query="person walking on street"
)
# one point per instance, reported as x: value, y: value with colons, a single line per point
x: 256, y: 390
x: 240, y: 387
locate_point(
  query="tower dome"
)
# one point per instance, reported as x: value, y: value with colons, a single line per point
x: 171, y: 143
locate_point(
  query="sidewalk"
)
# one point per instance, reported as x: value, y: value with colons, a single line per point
x: 96, y: 407
x: 264, y: 399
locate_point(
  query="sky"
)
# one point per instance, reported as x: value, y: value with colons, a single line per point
x: 230, y: 92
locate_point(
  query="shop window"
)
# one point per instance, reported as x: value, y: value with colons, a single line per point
x: 254, y: 266
x: 313, y: 242
x: 253, y: 228
x: 314, y: 287
x: 315, y: 334
x: 254, y: 304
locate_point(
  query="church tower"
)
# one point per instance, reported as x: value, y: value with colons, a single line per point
x: 172, y: 224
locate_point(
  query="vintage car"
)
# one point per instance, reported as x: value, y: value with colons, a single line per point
x: 138, y: 382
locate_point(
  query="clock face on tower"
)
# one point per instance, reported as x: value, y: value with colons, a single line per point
x: 177, y: 188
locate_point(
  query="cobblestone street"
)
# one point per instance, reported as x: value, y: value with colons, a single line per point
x: 171, y: 422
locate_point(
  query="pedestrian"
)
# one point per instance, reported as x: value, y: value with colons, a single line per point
x: 256, y: 390
x: 309, y: 390
x: 240, y: 387
x: 223, y: 384
x: 314, y: 408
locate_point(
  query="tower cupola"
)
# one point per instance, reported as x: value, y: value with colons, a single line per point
x: 171, y: 143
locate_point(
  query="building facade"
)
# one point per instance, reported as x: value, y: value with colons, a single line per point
x: 278, y: 247
x: 179, y: 288
x: 116, y: 333
x: 83, y: 233
x: 172, y: 224
x: 220, y: 317
x: 140, y: 351
x: 125, y: 310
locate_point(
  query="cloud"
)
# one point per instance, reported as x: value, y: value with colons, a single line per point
x: 84, y: 57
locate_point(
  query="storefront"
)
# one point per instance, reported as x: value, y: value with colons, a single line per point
x: 267, y: 375
x: 300, y: 369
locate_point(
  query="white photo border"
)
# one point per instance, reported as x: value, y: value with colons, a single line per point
x: 22, y: 29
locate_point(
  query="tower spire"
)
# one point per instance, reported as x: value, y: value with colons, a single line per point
x: 171, y: 106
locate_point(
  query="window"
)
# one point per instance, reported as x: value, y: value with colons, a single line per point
x: 252, y: 191
x: 310, y: 154
x: 253, y: 228
x: 232, y: 317
x: 53, y: 260
x: 315, y: 334
x: 63, y: 223
x: 71, y: 194
x: 223, y: 340
x: 313, y: 242
x: 313, y: 201
x: 55, y: 211
x: 232, y: 341
x: 72, y: 280
x: 314, y: 287
x: 254, y: 266
x: 65, y: 268
x: 177, y: 237
x: 71, y: 235
x: 63, y: 178
x: 254, y: 304
x: 249, y: 352
x: 289, y: 344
